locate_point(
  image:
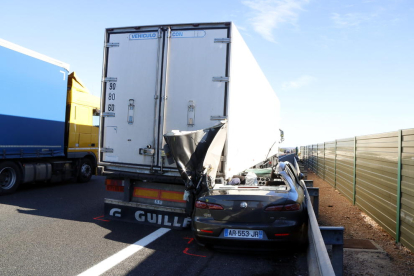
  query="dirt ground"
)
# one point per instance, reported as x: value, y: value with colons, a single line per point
x: 336, y: 210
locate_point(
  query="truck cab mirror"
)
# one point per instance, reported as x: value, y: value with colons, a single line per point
x: 301, y: 176
x: 96, y: 112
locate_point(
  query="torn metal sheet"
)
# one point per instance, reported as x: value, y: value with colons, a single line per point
x: 197, y: 153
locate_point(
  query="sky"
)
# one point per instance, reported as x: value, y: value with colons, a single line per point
x: 341, y: 68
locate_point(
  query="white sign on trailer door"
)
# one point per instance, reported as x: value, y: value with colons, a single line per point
x: 134, y: 64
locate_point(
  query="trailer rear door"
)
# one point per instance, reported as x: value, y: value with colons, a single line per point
x: 130, y: 96
x: 157, y: 81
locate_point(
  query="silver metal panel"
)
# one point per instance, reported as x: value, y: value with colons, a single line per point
x: 135, y: 66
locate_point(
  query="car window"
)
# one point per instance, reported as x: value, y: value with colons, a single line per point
x: 292, y: 175
x: 293, y: 172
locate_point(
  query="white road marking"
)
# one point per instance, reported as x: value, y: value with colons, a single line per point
x: 117, y: 258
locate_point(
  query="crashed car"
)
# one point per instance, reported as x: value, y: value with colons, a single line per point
x: 256, y: 207
x: 271, y: 211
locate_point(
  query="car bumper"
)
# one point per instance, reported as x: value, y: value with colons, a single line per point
x: 274, y: 234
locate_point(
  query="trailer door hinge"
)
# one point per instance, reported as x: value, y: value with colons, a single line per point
x: 191, y: 113
x: 107, y: 150
x: 218, y: 118
x: 110, y: 79
x: 108, y: 114
x: 222, y: 40
x: 112, y: 44
x: 221, y: 79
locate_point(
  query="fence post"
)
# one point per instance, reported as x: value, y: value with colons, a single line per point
x: 317, y: 160
x: 313, y: 162
x: 335, y: 165
x: 324, y: 162
x: 306, y: 157
x: 354, y: 170
x: 398, y: 221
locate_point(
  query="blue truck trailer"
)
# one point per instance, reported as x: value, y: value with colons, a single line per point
x: 37, y: 95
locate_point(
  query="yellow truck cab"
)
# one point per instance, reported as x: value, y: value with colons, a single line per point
x: 82, y: 131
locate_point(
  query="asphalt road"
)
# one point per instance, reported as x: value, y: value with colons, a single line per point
x: 58, y: 230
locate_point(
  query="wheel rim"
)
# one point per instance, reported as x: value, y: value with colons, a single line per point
x: 8, y: 178
x: 86, y: 170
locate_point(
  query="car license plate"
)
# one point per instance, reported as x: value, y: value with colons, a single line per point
x: 242, y: 233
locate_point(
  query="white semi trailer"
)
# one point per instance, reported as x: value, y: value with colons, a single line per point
x: 178, y: 79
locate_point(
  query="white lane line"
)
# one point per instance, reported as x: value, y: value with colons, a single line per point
x: 115, y: 259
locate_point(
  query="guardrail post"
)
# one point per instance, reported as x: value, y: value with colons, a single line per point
x: 308, y: 183
x: 314, y: 193
x: 398, y: 221
x: 354, y: 184
x: 334, y: 235
x: 336, y: 142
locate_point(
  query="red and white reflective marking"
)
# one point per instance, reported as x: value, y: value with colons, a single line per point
x: 101, y: 218
x: 186, y: 250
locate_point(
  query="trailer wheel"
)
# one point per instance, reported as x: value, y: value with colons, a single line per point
x: 10, y: 177
x: 85, y: 170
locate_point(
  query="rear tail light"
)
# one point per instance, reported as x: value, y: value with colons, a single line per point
x: 114, y: 182
x: 201, y: 205
x: 114, y: 185
x: 282, y: 235
x: 212, y: 206
x: 205, y: 205
x: 292, y: 207
x: 274, y: 208
x: 288, y: 207
x: 206, y: 231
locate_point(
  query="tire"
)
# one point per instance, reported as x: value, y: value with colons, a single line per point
x: 10, y: 177
x: 85, y: 170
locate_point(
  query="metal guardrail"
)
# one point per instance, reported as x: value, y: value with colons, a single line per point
x: 317, y: 256
x: 319, y: 262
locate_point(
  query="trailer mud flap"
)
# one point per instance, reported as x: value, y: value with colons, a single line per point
x: 146, y: 216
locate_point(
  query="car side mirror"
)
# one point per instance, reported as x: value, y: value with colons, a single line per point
x: 301, y: 176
